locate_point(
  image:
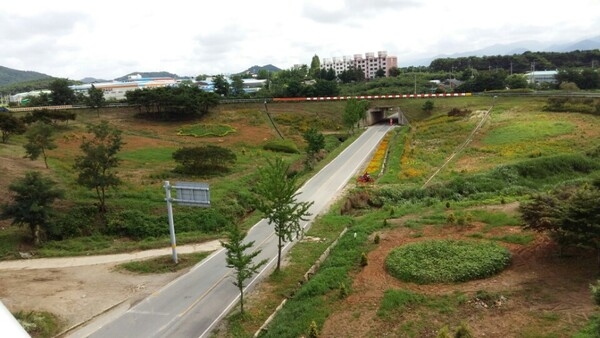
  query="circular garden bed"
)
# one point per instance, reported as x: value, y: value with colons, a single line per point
x: 446, y: 261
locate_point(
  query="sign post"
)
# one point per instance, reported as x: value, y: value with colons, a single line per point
x: 188, y: 194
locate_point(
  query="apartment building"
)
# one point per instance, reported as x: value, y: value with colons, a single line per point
x: 369, y: 63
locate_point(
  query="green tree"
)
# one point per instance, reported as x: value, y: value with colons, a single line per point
x: 206, y: 159
x: 61, y: 93
x: 237, y: 86
x: 428, y: 106
x: 315, y: 141
x: 315, y: 67
x: 221, y: 86
x: 39, y: 139
x: 42, y: 99
x: 240, y: 261
x: 380, y: 73
x: 32, y: 203
x: 516, y: 81
x: 324, y: 88
x: 354, y: 111
x: 394, y: 71
x: 10, y: 125
x: 95, y: 99
x: 569, y: 217
x: 96, y: 165
x: 277, y: 200
x: 172, y: 103
x: 49, y: 116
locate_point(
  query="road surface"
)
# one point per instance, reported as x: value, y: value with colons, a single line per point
x: 193, y: 304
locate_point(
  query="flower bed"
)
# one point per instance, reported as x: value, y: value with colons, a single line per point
x: 375, y: 165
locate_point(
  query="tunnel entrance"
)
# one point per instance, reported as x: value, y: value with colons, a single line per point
x: 386, y: 115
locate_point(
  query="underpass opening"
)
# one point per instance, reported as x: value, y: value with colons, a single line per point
x: 385, y: 115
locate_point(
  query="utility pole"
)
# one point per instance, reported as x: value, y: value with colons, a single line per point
x: 415, y: 84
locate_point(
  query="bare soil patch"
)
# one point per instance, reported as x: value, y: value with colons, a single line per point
x: 76, y: 294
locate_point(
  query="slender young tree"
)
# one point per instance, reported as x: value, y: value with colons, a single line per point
x: 315, y: 141
x: 242, y: 262
x: 96, y: 165
x: 39, y: 139
x: 354, y: 111
x: 277, y: 200
x: 32, y: 203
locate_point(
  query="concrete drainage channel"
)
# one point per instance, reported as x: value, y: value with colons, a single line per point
x: 307, y: 276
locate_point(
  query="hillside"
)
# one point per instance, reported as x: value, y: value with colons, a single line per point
x: 10, y: 76
x: 148, y: 74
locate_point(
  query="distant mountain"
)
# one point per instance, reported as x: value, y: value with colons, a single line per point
x: 256, y: 69
x: 92, y: 80
x: 587, y: 44
x: 511, y: 49
x: 148, y: 74
x: 9, y: 76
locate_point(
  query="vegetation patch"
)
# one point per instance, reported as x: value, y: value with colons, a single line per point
x: 282, y: 146
x: 446, y: 261
x: 39, y: 324
x: 528, y: 131
x: 205, y: 130
x: 164, y: 264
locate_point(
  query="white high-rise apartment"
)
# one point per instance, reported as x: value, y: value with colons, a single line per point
x: 370, y: 63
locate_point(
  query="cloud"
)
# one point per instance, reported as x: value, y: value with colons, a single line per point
x: 108, y: 39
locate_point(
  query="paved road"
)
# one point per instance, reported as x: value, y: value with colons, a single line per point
x: 193, y: 304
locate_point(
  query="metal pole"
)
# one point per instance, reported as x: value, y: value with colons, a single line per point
x: 171, y: 223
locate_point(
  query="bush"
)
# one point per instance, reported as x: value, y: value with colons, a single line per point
x: 76, y: 222
x: 207, y: 159
x: 39, y: 324
x: 364, y: 260
x: 313, y: 331
x: 282, y: 146
x: 446, y: 261
x: 343, y: 291
x: 326, y: 280
x: 136, y: 224
x: 595, y: 289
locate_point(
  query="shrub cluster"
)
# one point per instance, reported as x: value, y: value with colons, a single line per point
x: 573, y: 104
x: 208, y: 159
x: 137, y: 224
x: 517, y: 178
x: 446, y: 261
x: 282, y: 146
x: 455, y: 112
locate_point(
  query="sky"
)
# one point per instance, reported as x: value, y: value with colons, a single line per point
x: 108, y: 39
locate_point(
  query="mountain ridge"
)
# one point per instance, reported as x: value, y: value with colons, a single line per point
x: 519, y: 47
